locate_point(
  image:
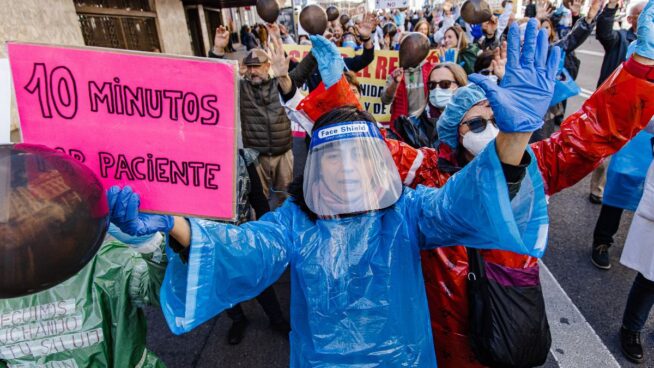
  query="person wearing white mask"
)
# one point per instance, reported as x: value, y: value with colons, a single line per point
x: 440, y: 84
x: 624, y: 104
x: 492, y: 63
x: 475, y: 126
x: 443, y: 80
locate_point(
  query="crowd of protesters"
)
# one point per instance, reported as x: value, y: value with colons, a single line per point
x: 380, y: 243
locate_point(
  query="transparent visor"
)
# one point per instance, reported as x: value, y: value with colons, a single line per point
x: 349, y: 170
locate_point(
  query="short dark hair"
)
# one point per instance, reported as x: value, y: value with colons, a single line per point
x: 484, y: 60
x: 352, y: 79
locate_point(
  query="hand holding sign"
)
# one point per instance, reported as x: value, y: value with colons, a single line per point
x: 124, y: 212
x: 163, y: 125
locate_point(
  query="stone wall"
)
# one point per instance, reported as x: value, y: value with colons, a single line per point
x: 173, y: 28
x: 46, y: 21
x: 56, y: 22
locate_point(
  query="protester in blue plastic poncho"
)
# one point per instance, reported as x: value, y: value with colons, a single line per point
x: 625, y: 177
x: 352, y: 238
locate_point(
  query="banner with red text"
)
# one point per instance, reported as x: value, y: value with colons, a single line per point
x: 372, y: 78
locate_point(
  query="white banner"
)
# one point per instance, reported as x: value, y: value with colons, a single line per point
x: 391, y: 4
x: 5, y: 101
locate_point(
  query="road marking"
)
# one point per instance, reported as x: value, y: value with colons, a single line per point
x: 585, y: 93
x: 588, y: 52
x: 574, y: 342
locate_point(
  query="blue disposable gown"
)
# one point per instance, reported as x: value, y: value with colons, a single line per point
x: 357, y: 292
x: 625, y: 177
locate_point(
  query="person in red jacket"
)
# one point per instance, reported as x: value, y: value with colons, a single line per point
x: 407, y: 91
x: 615, y: 113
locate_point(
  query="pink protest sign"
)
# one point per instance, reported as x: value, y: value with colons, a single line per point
x: 164, y: 125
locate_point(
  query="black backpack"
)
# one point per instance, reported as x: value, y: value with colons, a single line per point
x: 508, y: 324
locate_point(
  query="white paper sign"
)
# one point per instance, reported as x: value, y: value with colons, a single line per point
x: 5, y: 101
x: 391, y: 4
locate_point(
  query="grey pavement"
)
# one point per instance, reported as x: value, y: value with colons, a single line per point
x: 598, y: 297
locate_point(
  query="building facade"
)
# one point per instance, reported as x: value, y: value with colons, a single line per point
x: 180, y: 27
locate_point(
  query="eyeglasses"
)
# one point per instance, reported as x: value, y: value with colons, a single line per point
x: 485, y: 72
x: 444, y: 84
x: 478, y: 124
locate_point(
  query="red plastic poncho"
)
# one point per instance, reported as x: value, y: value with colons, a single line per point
x: 614, y: 114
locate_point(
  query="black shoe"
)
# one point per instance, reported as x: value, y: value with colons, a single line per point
x: 600, y: 256
x: 282, y: 327
x: 630, y: 344
x: 237, y: 331
x: 594, y: 199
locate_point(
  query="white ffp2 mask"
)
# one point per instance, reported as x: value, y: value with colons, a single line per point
x: 476, y: 142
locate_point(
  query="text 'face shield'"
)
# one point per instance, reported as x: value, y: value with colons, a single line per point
x: 349, y: 170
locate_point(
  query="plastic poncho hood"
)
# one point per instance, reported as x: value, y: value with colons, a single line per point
x: 349, y: 170
x: 463, y: 100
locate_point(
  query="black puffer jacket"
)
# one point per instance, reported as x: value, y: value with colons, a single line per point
x: 264, y: 124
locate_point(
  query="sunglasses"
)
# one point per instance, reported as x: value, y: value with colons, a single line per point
x: 486, y: 72
x: 444, y: 84
x: 478, y: 124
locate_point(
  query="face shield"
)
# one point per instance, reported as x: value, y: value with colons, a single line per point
x: 349, y: 170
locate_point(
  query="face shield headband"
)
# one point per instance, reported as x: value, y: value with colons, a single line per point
x: 349, y: 170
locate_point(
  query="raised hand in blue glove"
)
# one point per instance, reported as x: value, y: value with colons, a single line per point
x: 476, y: 31
x: 449, y: 56
x: 521, y: 100
x: 645, y: 32
x: 124, y: 213
x: 330, y: 62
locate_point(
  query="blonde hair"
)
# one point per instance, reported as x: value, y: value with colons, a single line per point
x: 552, y: 36
x: 460, y: 37
x: 460, y: 76
x: 421, y: 22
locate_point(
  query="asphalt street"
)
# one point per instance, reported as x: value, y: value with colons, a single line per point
x: 585, y: 305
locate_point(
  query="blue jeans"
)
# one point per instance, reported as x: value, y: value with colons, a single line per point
x: 639, y: 303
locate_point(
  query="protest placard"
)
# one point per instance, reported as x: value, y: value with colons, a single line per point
x: 164, y: 125
x: 5, y: 101
x: 372, y: 78
x: 391, y: 4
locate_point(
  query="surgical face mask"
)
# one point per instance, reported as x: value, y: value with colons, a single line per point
x: 493, y: 77
x: 476, y: 142
x: 439, y: 97
x: 350, y: 44
x: 349, y: 169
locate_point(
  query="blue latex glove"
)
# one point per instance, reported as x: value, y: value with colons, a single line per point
x: 330, y: 62
x: 631, y: 49
x: 476, y: 31
x: 448, y: 57
x: 521, y: 100
x: 132, y: 241
x: 124, y: 213
x: 645, y: 32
